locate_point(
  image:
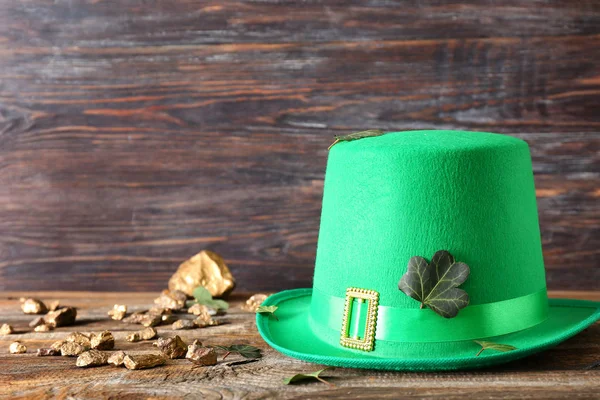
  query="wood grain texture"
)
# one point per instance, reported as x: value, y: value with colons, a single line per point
x: 133, y: 135
x: 562, y: 372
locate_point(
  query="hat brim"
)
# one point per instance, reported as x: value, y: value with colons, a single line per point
x: 292, y: 335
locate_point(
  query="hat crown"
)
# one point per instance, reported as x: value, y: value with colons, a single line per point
x: 404, y: 194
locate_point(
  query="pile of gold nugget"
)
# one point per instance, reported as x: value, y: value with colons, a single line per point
x: 205, y: 272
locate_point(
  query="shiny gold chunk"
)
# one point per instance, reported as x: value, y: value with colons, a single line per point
x: 254, y: 301
x: 183, y: 324
x: 145, y: 334
x: 151, y: 320
x: 80, y: 338
x: 92, y: 358
x: 201, y: 355
x: 33, y: 306
x: 57, y: 345
x: 203, y: 322
x: 203, y: 316
x: 62, y: 317
x: 143, y: 361
x: 134, y: 337
x: 71, y: 349
x: 171, y: 299
x: 116, y: 359
x: 6, y: 329
x: 198, y: 309
x: 204, y: 269
x: 102, y: 341
x: 135, y: 318
x: 118, y: 312
x: 17, y: 348
x: 157, y: 310
x: 43, y: 328
x: 143, y: 318
x: 172, y: 347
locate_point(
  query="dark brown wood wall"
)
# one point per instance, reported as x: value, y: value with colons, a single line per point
x: 136, y: 133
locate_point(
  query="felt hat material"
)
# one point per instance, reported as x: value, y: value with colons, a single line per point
x: 403, y: 194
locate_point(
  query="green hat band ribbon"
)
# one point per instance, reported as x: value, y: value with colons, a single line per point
x: 423, y: 325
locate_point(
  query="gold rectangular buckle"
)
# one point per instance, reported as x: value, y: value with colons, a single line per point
x: 367, y: 342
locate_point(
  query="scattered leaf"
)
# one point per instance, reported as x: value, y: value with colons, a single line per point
x: 268, y: 310
x: 435, y: 284
x: 493, y: 346
x: 303, y: 377
x: 356, y: 135
x: 244, y: 350
x: 203, y: 296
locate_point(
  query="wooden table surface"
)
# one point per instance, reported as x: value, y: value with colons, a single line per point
x: 566, y: 371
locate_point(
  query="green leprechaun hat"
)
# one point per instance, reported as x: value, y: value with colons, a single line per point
x: 429, y: 251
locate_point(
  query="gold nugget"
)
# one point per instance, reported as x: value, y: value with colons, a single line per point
x: 80, y: 338
x: 102, y: 341
x: 204, y: 269
x: 143, y: 361
x: 62, y: 317
x: 144, y: 334
x: 57, y: 345
x: 254, y: 301
x: 92, y: 358
x: 183, y: 324
x: 118, y: 312
x: 171, y: 299
x: 17, y: 348
x: 116, y: 359
x: 43, y: 328
x: 71, y: 349
x: 201, y: 355
x: 172, y: 347
x: 33, y: 306
x: 6, y: 329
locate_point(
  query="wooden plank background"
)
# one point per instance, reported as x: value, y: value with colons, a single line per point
x: 135, y: 133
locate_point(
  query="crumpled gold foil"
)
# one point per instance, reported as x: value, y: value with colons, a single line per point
x: 204, y: 269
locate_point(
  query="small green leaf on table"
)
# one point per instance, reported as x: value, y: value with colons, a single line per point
x: 203, y: 296
x: 268, y: 310
x: 356, y: 135
x: 244, y: 350
x: 493, y: 346
x: 310, y: 376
